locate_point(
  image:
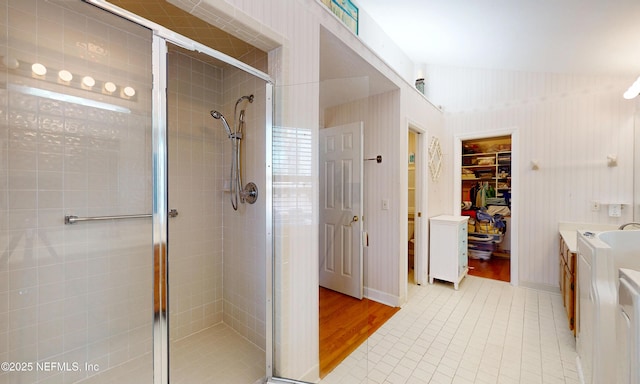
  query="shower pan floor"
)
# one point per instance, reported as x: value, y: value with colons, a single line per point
x: 217, y: 354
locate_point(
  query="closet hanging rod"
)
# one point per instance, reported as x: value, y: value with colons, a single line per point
x: 71, y: 219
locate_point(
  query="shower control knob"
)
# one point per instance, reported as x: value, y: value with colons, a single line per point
x: 250, y: 193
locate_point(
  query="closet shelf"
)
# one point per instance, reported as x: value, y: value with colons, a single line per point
x: 486, y: 166
x: 480, y: 179
x: 487, y: 153
x: 491, y: 167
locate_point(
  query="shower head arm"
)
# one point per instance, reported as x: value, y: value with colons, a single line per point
x: 249, y: 98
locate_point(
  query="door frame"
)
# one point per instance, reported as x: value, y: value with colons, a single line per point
x: 421, y: 196
x: 515, y: 185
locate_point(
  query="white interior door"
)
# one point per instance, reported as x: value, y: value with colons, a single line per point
x: 341, y: 209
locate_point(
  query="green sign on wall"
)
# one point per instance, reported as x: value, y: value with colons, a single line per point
x: 346, y: 11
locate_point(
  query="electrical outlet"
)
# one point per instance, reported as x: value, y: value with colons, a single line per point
x: 595, y: 206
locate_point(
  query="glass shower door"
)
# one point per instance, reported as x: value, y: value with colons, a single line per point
x: 76, y: 296
x: 217, y: 269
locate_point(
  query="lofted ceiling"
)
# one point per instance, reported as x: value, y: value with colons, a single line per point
x: 568, y: 36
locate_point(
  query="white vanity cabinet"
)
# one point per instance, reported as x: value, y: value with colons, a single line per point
x: 448, y: 259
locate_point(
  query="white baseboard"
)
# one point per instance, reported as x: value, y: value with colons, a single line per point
x: 541, y: 287
x: 579, y: 369
x: 382, y: 297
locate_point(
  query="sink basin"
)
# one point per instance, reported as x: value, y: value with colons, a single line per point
x: 624, y: 242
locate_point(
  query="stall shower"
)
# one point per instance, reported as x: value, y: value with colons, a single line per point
x: 78, y: 139
x: 217, y: 282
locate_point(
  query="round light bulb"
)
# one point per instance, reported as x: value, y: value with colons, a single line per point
x: 10, y: 62
x: 129, y: 91
x: 88, y: 81
x: 109, y: 87
x: 65, y: 75
x: 39, y: 69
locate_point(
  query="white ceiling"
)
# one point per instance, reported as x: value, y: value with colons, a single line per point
x: 568, y: 36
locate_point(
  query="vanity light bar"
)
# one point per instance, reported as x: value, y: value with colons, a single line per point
x: 64, y: 77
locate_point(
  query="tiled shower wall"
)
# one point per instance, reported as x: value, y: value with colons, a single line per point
x: 76, y: 293
x: 244, y: 230
x: 216, y: 255
x: 195, y: 142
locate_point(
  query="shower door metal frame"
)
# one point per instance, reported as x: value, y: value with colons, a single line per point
x: 160, y: 210
x: 162, y: 36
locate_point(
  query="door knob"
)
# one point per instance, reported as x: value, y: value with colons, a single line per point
x: 354, y: 219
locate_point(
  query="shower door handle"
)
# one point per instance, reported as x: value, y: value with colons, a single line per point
x: 173, y: 213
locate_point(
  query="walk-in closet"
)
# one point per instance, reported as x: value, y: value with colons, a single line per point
x: 486, y: 199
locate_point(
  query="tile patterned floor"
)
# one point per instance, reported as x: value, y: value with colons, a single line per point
x: 487, y: 332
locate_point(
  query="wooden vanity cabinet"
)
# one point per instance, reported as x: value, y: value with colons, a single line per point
x: 567, y: 276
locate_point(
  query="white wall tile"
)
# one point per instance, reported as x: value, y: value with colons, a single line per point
x: 48, y: 175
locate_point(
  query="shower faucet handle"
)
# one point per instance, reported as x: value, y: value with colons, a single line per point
x: 250, y: 193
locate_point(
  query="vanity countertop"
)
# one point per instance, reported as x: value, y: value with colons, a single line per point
x: 568, y: 231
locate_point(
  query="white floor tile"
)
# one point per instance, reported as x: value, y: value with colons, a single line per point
x: 486, y: 332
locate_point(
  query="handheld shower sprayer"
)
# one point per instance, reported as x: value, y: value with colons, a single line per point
x: 248, y: 193
x: 219, y: 116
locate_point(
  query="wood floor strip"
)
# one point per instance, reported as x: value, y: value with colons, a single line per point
x: 496, y: 268
x: 346, y: 323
